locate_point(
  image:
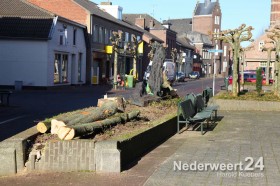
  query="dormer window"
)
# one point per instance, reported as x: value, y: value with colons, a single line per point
x: 261, y: 44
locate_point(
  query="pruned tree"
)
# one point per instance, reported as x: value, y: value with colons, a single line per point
x: 268, y: 47
x: 274, y: 34
x: 116, y: 39
x: 243, y: 51
x: 174, y: 56
x: 235, y: 37
x: 133, y: 49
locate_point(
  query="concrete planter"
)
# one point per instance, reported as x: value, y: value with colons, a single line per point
x: 81, y: 155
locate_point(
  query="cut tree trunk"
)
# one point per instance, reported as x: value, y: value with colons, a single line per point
x: 119, y: 100
x: 55, y: 125
x: 45, y: 126
x: 106, y: 110
x: 69, y: 132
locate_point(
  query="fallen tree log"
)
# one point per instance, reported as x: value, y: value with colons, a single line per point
x: 106, y: 110
x: 70, y: 132
x: 45, y: 126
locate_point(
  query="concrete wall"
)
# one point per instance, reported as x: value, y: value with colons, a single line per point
x: 24, y: 61
x: 75, y: 155
x: 80, y: 155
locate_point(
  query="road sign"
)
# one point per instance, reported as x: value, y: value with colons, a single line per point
x: 215, y: 50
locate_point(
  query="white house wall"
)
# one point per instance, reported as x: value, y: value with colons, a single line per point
x: 24, y: 61
x: 69, y: 49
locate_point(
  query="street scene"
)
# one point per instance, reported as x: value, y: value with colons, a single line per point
x: 139, y: 93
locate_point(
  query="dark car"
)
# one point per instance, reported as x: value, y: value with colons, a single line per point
x: 194, y: 75
x: 180, y: 76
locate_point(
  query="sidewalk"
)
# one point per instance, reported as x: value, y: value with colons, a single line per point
x: 238, y: 135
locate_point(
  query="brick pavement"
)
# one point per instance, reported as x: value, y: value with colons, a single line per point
x: 238, y: 135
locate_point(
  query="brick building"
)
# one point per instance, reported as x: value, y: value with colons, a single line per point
x: 150, y: 24
x: 100, y: 26
x: 275, y: 12
x: 206, y: 19
x: 255, y: 57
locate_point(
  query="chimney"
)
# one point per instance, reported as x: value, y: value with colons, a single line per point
x: 139, y: 21
x: 152, y: 23
x: 207, y: 2
x: 167, y: 24
x: 106, y: 3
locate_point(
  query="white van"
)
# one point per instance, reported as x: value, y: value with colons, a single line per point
x: 168, y: 66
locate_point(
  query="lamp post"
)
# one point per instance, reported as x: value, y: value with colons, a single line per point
x: 215, y: 52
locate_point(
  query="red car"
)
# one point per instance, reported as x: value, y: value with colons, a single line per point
x: 250, y: 77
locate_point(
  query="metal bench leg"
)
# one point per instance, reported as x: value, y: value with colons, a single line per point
x: 201, y: 127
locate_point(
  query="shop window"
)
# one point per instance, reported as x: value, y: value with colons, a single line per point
x: 61, y: 68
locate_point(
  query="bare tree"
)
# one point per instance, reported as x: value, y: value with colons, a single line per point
x: 235, y: 37
x: 268, y: 47
x: 274, y: 34
x: 116, y: 39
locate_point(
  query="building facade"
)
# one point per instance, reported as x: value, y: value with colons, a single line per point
x: 100, y: 26
x: 38, y: 48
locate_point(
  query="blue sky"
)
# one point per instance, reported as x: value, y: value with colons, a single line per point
x: 255, y: 13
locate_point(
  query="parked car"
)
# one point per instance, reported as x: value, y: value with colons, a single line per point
x: 194, y: 75
x: 180, y: 76
x: 250, y: 77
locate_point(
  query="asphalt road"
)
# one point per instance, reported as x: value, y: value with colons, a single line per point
x: 27, y: 107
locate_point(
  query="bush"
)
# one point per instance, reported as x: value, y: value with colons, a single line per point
x: 259, y: 81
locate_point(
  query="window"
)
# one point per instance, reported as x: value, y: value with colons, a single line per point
x: 63, y: 35
x: 225, y: 51
x: 110, y: 35
x: 127, y: 37
x: 107, y: 36
x: 61, y: 68
x: 80, y: 68
x: 217, y: 20
x: 95, y: 33
x: 101, y: 35
x: 262, y: 64
x: 261, y: 44
x: 74, y: 36
x: 132, y: 36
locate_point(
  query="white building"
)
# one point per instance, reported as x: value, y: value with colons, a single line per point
x: 38, y: 48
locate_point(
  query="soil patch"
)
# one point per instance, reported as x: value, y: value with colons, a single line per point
x: 147, y: 119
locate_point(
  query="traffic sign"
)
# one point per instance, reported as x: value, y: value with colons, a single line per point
x: 215, y: 50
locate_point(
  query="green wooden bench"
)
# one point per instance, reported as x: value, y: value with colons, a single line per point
x: 207, y: 93
x: 188, y: 114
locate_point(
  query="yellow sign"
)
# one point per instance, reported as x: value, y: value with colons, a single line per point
x: 140, y: 47
x: 108, y: 49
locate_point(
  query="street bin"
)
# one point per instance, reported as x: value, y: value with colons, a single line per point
x: 18, y: 85
x: 130, y: 80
